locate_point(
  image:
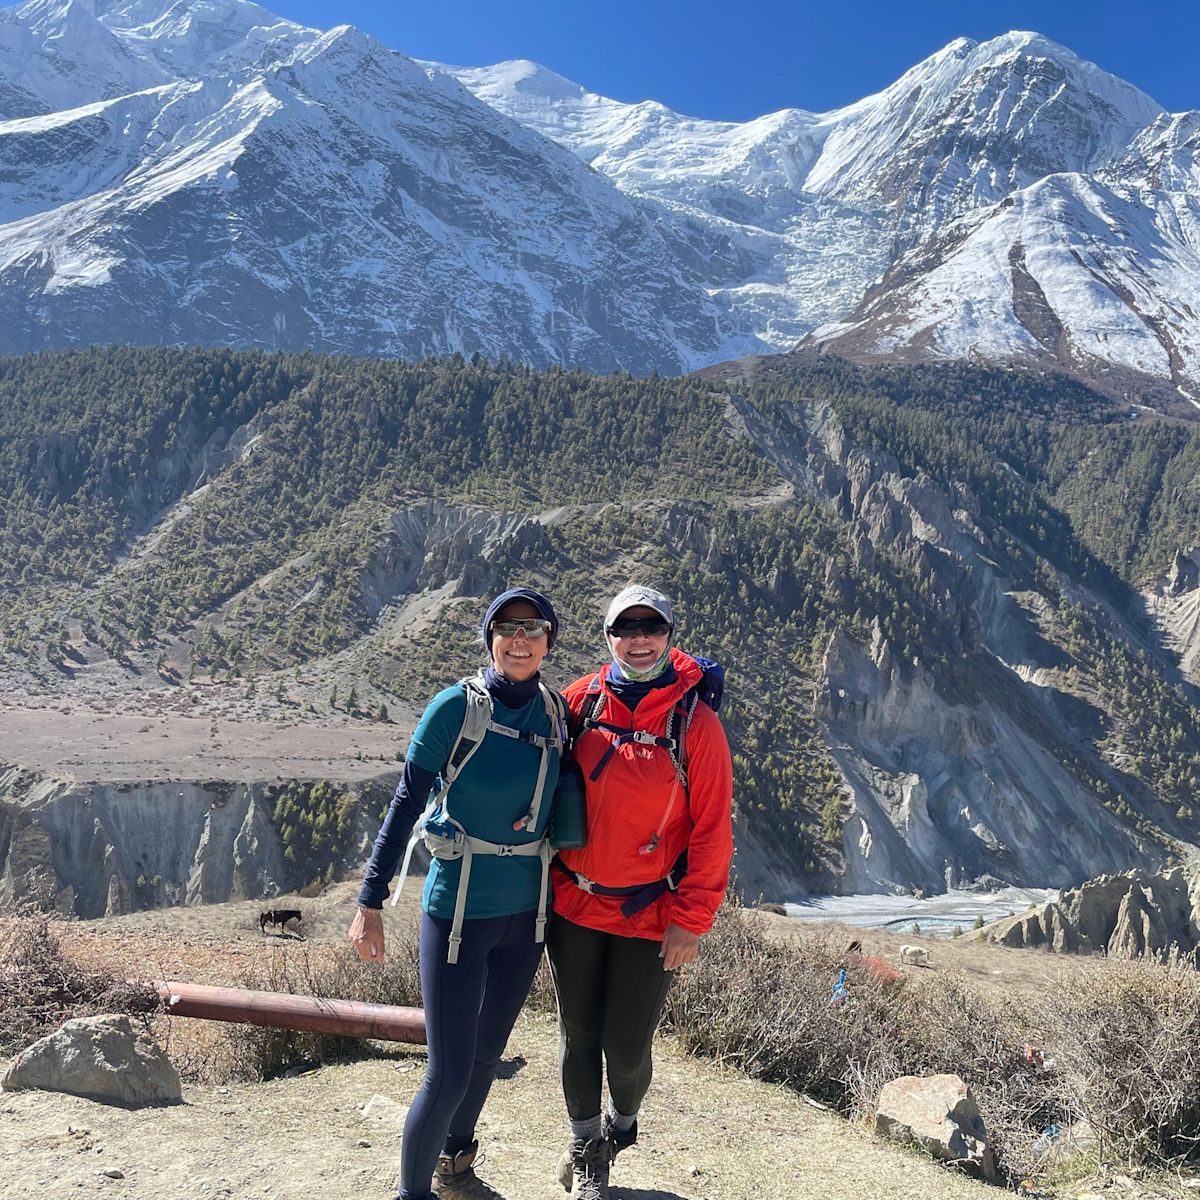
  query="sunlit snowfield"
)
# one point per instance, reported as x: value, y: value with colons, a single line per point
x: 937, y: 915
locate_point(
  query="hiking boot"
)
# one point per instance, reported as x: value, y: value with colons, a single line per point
x: 455, y: 1177
x: 589, y: 1169
x: 617, y: 1140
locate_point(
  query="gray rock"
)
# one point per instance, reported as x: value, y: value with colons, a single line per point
x: 939, y: 1113
x: 103, y: 1058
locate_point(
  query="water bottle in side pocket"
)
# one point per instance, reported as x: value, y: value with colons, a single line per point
x: 568, y: 813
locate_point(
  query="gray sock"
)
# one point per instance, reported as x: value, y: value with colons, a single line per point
x: 586, y: 1131
x: 620, y: 1121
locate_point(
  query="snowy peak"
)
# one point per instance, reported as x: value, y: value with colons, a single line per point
x: 518, y: 77
x: 205, y: 171
x: 287, y: 188
x: 60, y: 55
x: 973, y: 122
x: 194, y: 37
x: 65, y: 53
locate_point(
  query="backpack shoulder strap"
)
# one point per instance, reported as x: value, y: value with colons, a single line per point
x: 585, y: 719
x: 678, y: 724
x: 475, y: 724
x: 552, y: 745
x: 476, y: 718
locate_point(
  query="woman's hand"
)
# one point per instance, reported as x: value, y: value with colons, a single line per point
x: 678, y: 948
x: 366, y: 934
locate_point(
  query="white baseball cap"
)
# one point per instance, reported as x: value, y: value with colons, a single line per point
x: 636, y: 596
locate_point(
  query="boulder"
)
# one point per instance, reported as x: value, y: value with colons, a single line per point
x: 939, y: 1113
x: 103, y: 1058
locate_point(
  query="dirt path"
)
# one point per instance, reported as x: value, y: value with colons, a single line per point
x: 706, y: 1135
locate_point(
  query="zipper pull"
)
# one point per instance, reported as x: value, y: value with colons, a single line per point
x: 650, y: 847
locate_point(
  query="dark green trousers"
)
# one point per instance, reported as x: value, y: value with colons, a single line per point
x: 611, y: 992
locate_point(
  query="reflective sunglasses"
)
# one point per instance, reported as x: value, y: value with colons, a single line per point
x: 632, y: 626
x: 532, y: 627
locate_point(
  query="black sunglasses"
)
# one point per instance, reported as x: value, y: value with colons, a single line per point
x: 632, y: 626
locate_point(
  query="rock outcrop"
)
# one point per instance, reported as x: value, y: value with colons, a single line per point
x: 946, y: 787
x: 1130, y: 915
x: 1174, y: 602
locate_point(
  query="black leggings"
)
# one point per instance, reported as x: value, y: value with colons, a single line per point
x: 611, y: 991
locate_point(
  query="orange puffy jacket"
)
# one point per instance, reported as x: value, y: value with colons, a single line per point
x: 640, y: 819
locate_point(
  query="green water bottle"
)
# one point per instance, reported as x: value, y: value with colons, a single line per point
x: 568, y: 813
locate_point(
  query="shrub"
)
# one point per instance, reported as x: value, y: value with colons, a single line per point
x: 1127, y: 1050
x: 764, y: 1007
x: 1124, y: 1037
x: 40, y: 987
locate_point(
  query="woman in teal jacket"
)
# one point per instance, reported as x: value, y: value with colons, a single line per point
x: 484, y: 911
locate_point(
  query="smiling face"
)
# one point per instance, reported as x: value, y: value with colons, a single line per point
x: 518, y: 658
x: 640, y: 650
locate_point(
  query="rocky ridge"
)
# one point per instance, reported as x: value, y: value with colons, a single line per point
x: 109, y: 849
x: 1128, y: 915
x: 967, y: 744
x: 917, y: 761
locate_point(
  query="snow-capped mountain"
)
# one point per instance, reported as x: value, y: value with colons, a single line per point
x: 203, y: 172
x: 892, y: 224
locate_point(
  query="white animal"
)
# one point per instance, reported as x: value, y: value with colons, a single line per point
x: 914, y: 956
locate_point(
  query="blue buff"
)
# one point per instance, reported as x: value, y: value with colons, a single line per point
x: 512, y: 693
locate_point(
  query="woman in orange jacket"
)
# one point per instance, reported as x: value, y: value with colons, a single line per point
x: 632, y: 904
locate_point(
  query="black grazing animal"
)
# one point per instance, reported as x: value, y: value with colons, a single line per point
x: 277, y: 918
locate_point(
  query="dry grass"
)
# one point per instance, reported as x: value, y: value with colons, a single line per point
x: 1126, y: 1042
x: 1128, y: 1057
x: 258, y: 1052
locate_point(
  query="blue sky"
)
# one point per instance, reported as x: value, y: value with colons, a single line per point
x: 740, y: 58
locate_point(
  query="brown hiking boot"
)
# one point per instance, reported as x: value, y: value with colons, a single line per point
x: 616, y: 1139
x: 589, y: 1169
x: 455, y: 1177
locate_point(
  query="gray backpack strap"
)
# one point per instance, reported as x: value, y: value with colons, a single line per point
x: 470, y: 737
x: 554, y: 743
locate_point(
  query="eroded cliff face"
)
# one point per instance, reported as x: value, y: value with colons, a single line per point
x: 947, y: 786
x: 1127, y: 915
x: 110, y: 849
x: 952, y: 794
x: 1174, y: 602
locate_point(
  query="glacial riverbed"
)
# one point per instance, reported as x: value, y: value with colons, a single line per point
x: 936, y: 915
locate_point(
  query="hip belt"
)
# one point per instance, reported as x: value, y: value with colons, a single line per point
x: 637, y: 895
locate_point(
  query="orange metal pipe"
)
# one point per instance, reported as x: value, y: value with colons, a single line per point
x: 349, y: 1018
